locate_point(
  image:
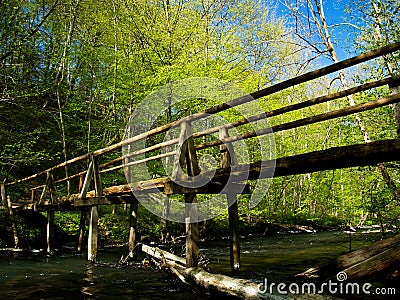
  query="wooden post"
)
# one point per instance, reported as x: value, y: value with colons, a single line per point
x: 80, y: 183
x: 48, y: 187
x: 93, y: 234
x: 83, y: 219
x: 33, y: 195
x: 132, y: 228
x: 186, y: 152
x: 50, y: 230
x: 228, y: 159
x: 3, y: 195
x: 192, y: 231
x: 93, y: 171
x: 82, y: 227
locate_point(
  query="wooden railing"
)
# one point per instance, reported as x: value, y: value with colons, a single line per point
x: 338, y: 157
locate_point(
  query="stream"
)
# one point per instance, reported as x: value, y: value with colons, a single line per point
x: 69, y: 276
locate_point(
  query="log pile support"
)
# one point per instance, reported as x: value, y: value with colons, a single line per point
x: 228, y: 159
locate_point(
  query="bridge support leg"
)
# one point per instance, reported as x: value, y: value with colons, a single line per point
x: 192, y: 231
x: 234, y: 244
x: 132, y: 228
x: 50, y: 230
x: 82, y: 226
x: 228, y: 159
x: 93, y: 234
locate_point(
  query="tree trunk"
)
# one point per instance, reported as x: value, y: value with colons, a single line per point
x: 367, y: 261
x: 325, y: 35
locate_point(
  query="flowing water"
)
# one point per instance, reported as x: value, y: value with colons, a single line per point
x: 69, y: 276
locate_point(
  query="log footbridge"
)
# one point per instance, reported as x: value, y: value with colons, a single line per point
x: 43, y: 195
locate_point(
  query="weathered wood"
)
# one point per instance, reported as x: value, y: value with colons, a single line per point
x: 33, y: 195
x: 133, y: 228
x: 82, y: 229
x: 309, y: 76
x: 3, y: 195
x: 50, y: 230
x: 93, y: 223
x: 161, y: 254
x: 352, y: 261
x: 228, y: 159
x: 240, y: 288
x: 172, y: 187
x: 47, y: 207
x: 52, y: 188
x: 104, y: 200
x: 86, y: 182
x: 307, y: 121
x: 98, y: 187
x: 235, y: 102
x: 297, y: 106
x: 48, y: 188
x: 93, y: 234
x: 141, y: 161
x: 216, y: 283
x: 6, y: 201
x: 148, y: 186
x: 13, y: 225
x: 329, y: 159
x: 234, y: 239
x: 386, y: 260
x: 186, y: 156
x: 267, y: 114
x: 164, y: 220
x: 192, y: 230
x: 63, y: 164
x: 80, y: 183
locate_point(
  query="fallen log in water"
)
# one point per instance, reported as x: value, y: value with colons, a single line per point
x: 218, y: 283
x: 367, y: 261
x: 222, y: 284
x: 164, y: 256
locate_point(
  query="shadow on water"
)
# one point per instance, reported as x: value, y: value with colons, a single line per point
x: 69, y: 276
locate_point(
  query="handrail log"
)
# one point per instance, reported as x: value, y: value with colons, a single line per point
x: 307, y: 121
x: 235, y: 102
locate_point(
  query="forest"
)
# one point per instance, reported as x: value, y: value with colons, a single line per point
x: 73, y: 71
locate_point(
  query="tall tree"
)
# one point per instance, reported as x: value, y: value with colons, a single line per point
x: 312, y: 27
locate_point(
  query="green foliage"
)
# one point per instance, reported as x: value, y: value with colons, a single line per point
x: 69, y: 86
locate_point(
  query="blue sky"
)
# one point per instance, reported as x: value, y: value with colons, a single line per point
x: 335, y: 14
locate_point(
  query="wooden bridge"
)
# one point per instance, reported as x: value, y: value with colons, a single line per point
x: 43, y: 197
